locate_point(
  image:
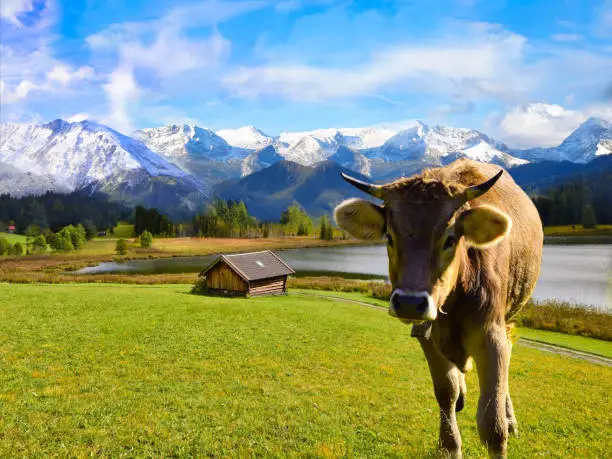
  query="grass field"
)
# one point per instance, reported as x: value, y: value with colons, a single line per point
x: 124, y: 230
x: 124, y: 370
x: 14, y: 238
x: 580, y: 343
x: 577, y: 230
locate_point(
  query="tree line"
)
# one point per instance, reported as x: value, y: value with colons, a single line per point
x: 58, y: 210
x: 231, y: 219
x: 587, y: 201
x: 67, y: 239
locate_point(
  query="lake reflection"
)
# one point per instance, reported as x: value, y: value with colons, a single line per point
x: 575, y: 273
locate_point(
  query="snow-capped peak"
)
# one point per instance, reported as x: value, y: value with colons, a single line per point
x: 183, y: 140
x: 438, y: 144
x: 246, y: 137
x: 592, y: 138
x: 84, y: 155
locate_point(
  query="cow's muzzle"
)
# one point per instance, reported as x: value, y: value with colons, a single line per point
x: 412, y: 306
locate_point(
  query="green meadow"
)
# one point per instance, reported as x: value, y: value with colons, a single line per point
x: 14, y: 238
x: 130, y: 370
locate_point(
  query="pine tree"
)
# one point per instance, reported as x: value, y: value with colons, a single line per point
x: 121, y: 247
x: 323, y: 228
x: 588, y: 217
x: 39, y: 245
x: 330, y: 231
x: 5, y: 246
x: 146, y: 240
x: 17, y: 249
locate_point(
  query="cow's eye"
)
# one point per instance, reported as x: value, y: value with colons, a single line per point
x: 389, y: 240
x: 451, y: 240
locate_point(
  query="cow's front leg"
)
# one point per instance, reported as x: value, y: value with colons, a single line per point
x: 449, y: 387
x: 512, y: 422
x: 492, y: 357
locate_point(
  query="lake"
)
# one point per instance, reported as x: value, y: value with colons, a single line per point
x: 575, y: 273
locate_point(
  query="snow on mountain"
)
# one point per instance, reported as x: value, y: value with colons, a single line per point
x: 421, y: 143
x: 87, y: 155
x: 366, y: 138
x: 247, y: 138
x: 312, y: 144
x: 315, y: 146
x: 76, y: 154
x: 592, y: 138
x: 308, y: 151
x: 352, y: 159
x: 183, y: 160
x: 19, y: 183
x: 438, y: 144
x: 184, y: 141
x: 259, y: 160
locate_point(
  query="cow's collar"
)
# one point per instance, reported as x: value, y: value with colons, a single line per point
x: 422, y: 330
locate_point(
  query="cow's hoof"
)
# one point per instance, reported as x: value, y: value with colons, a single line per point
x: 450, y: 454
x: 460, y: 403
x: 513, y: 429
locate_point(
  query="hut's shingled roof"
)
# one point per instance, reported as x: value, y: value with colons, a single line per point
x: 255, y: 265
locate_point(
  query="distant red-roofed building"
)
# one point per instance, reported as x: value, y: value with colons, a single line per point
x: 12, y: 228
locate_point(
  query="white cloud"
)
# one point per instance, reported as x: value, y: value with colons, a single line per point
x: 164, y: 47
x: 538, y: 125
x: 77, y: 117
x: 603, y: 24
x: 567, y: 37
x: 456, y: 106
x: 64, y: 75
x: 12, y: 9
x: 397, y: 126
x: 172, y: 54
x: 27, y: 63
x: 59, y: 77
x: 489, y: 61
x: 122, y: 91
x: 19, y: 92
x: 599, y: 110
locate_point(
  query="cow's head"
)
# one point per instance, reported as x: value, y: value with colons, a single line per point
x: 429, y: 225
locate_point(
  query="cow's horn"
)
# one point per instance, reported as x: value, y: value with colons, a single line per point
x: 478, y: 190
x: 374, y: 190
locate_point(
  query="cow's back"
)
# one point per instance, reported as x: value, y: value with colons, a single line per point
x: 523, y: 246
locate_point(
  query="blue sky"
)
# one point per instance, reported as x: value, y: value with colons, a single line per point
x: 527, y: 72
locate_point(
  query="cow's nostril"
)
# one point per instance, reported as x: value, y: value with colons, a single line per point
x: 423, y: 304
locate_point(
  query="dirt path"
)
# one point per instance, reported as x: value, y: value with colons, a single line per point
x: 545, y: 347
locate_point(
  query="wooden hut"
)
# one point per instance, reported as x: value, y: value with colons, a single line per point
x: 246, y: 274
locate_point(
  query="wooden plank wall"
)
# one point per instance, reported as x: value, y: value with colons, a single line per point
x: 223, y: 277
x: 274, y: 286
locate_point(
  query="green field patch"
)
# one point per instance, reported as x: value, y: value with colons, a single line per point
x: 354, y: 296
x: 577, y: 230
x: 579, y: 343
x: 123, y: 230
x: 124, y: 370
x: 14, y: 238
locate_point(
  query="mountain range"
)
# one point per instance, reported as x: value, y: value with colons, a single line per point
x: 176, y: 167
x: 62, y: 156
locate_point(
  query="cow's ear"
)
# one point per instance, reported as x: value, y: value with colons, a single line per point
x: 361, y: 219
x: 483, y: 226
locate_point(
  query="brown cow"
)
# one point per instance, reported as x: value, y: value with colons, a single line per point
x: 464, y: 247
